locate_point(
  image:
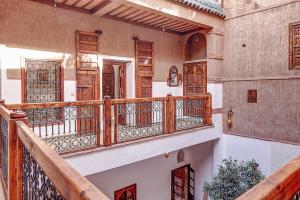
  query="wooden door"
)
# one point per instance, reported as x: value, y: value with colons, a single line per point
x: 87, y: 76
x: 194, y: 79
x: 144, y: 75
x: 182, y: 180
x: 122, y: 81
x: 108, y: 81
x: 178, y: 184
x: 87, y: 89
x: 122, y: 94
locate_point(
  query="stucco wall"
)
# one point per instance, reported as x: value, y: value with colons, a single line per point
x: 30, y: 25
x: 262, y: 64
x: 269, y: 155
x: 153, y: 176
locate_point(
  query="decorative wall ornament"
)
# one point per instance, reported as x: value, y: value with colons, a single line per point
x: 252, y: 96
x: 174, y: 79
x: 127, y: 193
x: 230, y: 118
x: 294, y: 46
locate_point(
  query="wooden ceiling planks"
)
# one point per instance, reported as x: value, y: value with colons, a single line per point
x: 126, y: 13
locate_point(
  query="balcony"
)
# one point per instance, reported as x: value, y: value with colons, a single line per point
x: 32, y: 135
x: 76, y: 126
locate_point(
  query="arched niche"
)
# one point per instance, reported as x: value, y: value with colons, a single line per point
x: 196, y: 47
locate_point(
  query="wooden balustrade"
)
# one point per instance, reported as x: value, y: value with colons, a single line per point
x: 36, y: 171
x: 95, y: 123
x: 282, y: 185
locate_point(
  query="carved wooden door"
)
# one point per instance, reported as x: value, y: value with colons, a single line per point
x: 87, y: 75
x: 87, y: 89
x: 144, y: 74
x: 122, y: 94
x: 108, y: 78
x: 122, y: 81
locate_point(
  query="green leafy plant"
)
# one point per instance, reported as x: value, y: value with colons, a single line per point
x: 233, y: 179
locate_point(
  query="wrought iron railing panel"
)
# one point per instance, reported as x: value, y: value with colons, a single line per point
x: 4, y: 149
x: 68, y: 128
x: 36, y: 185
x: 138, y: 120
x: 190, y: 113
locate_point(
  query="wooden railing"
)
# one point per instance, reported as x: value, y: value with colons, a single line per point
x: 73, y: 126
x: 65, y: 126
x: 32, y: 170
x: 282, y: 185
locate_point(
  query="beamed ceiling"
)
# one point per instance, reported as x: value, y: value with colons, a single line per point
x: 127, y: 13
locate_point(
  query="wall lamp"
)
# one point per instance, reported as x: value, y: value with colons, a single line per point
x: 230, y: 118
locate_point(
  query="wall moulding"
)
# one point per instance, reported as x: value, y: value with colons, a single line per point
x: 262, y: 79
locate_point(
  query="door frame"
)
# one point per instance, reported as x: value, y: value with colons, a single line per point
x: 115, y: 62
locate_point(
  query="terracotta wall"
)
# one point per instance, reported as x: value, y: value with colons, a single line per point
x: 29, y: 25
x: 256, y: 57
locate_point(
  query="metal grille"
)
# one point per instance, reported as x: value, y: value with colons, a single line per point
x: 36, y: 185
x: 4, y: 150
x: 296, y: 196
x: 68, y: 128
x: 43, y: 84
x: 138, y: 120
x: 189, y: 113
x: 43, y: 81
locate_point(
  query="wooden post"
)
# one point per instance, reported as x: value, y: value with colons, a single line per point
x: 107, y: 120
x: 208, y: 110
x: 14, y: 156
x: 170, y: 114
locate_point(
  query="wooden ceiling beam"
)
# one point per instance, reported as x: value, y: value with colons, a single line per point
x: 87, y: 3
x: 139, y: 24
x: 76, y: 2
x: 100, y: 5
x: 61, y: 5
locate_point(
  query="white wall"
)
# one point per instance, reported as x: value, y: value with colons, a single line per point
x: 269, y: 155
x: 161, y: 89
x: 153, y: 176
x: 124, y: 154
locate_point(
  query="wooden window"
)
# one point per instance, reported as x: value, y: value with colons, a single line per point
x: 252, y: 96
x: 294, y: 46
x: 127, y: 193
x: 194, y: 79
x: 144, y: 68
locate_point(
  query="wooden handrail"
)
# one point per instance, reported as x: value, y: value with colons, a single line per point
x: 68, y: 182
x: 282, y: 185
x: 192, y: 97
x: 27, y: 106
x: 5, y: 113
x: 124, y: 101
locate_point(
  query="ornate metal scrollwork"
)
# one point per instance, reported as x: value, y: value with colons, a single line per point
x: 35, y: 183
x: 4, y: 149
